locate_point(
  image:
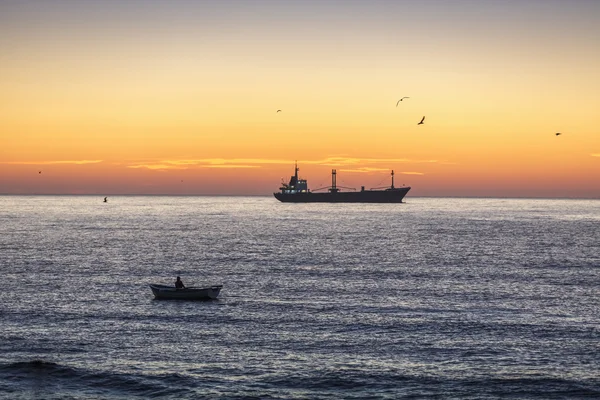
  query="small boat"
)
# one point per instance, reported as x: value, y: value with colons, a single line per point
x: 188, y: 293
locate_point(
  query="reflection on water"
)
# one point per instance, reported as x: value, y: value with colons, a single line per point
x: 435, y: 297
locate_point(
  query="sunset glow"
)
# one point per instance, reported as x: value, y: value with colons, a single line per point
x: 181, y: 97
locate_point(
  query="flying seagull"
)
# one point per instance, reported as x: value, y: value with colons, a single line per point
x: 398, y: 102
x: 278, y: 110
x: 422, y: 120
x: 557, y: 133
x: 40, y: 172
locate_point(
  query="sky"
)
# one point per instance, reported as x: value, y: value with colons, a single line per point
x: 181, y: 97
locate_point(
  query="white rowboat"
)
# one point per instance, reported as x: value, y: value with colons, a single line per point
x: 189, y: 293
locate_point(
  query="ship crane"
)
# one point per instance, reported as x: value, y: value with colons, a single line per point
x: 334, y: 188
x: 387, y: 187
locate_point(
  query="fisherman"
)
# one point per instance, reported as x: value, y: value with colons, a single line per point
x: 179, y: 284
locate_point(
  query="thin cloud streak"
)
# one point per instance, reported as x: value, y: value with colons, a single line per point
x: 363, y: 170
x: 223, y: 161
x: 595, y: 155
x: 157, y: 167
x: 341, y: 161
x: 78, y: 162
x: 230, y: 166
x: 259, y: 162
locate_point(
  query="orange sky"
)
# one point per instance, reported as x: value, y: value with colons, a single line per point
x: 181, y: 97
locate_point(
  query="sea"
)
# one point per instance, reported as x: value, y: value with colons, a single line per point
x: 435, y: 298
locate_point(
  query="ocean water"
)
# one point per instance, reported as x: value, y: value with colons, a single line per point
x: 434, y: 298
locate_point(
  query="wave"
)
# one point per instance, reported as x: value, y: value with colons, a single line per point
x: 35, y: 367
x: 364, y: 383
x: 59, y: 380
x: 51, y: 380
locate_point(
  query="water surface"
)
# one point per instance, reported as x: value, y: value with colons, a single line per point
x: 434, y: 298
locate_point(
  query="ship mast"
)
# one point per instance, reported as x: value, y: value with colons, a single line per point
x: 334, y: 188
x: 296, y: 169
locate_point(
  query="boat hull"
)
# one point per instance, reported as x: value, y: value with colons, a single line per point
x: 163, y: 292
x: 365, y: 196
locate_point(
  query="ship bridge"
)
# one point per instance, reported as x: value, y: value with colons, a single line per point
x: 296, y: 185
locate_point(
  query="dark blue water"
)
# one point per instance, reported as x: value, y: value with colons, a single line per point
x: 435, y: 298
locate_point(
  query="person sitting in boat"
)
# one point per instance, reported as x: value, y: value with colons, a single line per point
x: 179, y: 284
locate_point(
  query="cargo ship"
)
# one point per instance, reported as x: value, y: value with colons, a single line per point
x: 296, y: 191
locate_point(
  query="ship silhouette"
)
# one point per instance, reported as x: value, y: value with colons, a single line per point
x: 296, y: 191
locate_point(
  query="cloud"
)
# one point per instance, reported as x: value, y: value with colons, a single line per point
x: 354, y: 164
x: 595, y: 155
x: 363, y: 169
x: 224, y: 161
x: 78, y: 162
x: 371, y: 169
x: 156, y: 166
x: 340, y: 161
x: 230, y: 166
x: 207, y: 163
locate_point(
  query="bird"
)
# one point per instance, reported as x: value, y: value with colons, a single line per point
x: 557, y: 133
x: 422, y: 120
x: 398, y: 102
x: 106, y: 200
x: 278, y: 110
x: 40, y: 172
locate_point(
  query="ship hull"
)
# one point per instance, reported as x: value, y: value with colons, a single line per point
x: 366, y: 196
